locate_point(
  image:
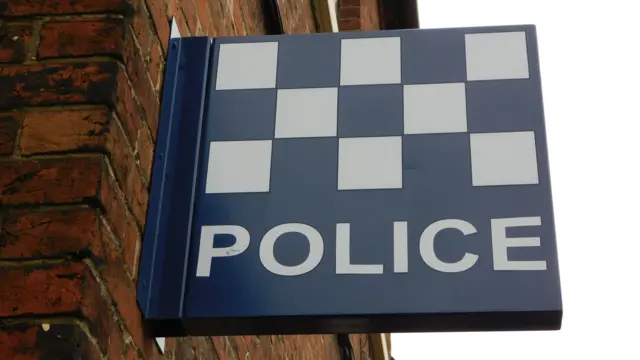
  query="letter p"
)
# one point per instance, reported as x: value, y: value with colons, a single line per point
x: 207, y: 252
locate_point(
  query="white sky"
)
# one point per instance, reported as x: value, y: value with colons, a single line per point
x: 589, y: 54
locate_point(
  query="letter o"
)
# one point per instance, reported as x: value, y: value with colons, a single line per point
x: 316, y: 249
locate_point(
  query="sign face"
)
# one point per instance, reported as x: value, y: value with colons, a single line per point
x: 353, y: 182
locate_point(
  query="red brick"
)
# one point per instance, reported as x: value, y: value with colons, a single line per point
x: 250, y: 344
x: 90, y: 130
x: 156, y: 64
x: 66, y: 180
x: 46, y: 290
x: 127, y: 173
x: 120, y: 152
x: 121, y: 223
x: 81, y: 38
x: 51, y: 234
x: 211, y: 28
x: 57, y: 7
x: 127, y: 107
x: 9, y: 124
x: 14, y: 39
x: 59, y: 130
x: 350, y: 25
x: 349, y: 12
x: 145, y: 149
x: 137, y: 73
x: 195, y: 348
x: 370, y: 15
x: 203, y: 12
x: 57, y: 84
x: 118, y: 348
x: 238, y: 19
x: 131, y: 247
x: 222, y: 16
x: 188, y: 8
x: 285, y: 347
x: 59, y: 341
x: 181, y: 21
x: 114, y: 205
x: 143, y: 28
x: 240, y: 345
x: 206, y: 25
x: 122, y: 158
x: 130, y: 354
x: 172, y: 7
x: 223, y: 348
x: 133, y: 58
x: 149, y: 102
x: 123, y: 292
x: 199, y: 29
x: 350, y: 2
x: 253, y: 17
x: 297, y: 16
x: 137, y: 195
x: 158, y: 11
x: 65, y: 289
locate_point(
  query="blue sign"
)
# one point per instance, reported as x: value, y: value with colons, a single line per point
x: 391, y: 181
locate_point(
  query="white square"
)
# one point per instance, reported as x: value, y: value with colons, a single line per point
x: 504, y: 159
x: 370, y: 163
x: 302, y: 113
x: 370, y: 61
x: 247, y: 66
x: 435, y: 108
x: 239, y: 167
x: 497, y: 56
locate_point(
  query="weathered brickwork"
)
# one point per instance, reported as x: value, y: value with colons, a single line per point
x: 80, y: 86
x: 356, y: 15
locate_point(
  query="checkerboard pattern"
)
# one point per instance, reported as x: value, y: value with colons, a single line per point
x: 396, y: 79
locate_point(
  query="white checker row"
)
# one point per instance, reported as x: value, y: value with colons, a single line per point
x: 373, y: 162
x: 369, y: 61
x: 428, y: 109
x: 365, y: 163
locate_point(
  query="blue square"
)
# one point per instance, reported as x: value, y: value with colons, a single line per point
x: 242, y: 115
x: 307, y: 63
x: 435, y: 56
x: 304, y: 168
x: 370, y: 110
x: 504, y: 105
x: 437, y: 164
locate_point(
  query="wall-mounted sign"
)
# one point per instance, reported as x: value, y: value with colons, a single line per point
x: 352, y: 182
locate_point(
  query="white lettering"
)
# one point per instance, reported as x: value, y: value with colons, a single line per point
x: 427, y: 240
x: 343, y: 255
x: 501, y: 243
x: 400, y: 247
x: 207, y: 252
x: 316, y: 249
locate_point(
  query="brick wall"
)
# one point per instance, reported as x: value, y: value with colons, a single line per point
x: 356, y: 15
x: 79, y: 100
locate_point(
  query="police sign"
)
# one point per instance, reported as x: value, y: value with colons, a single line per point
x: 352, y: 182
x: 207, y: 252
